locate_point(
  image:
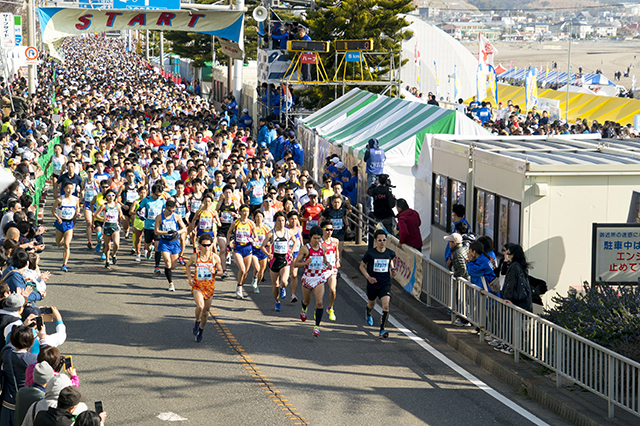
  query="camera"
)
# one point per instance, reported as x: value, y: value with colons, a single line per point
x: 385, y: 180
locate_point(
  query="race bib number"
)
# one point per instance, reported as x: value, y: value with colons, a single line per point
x: 112, y: 216
x: 89, y: 193
x: 195, y: 205
x: 338, y: 224
x: 226, y: 217
x: 311, y: 224
x: 316, y: 262
x: 153, y: 213
x: 242, y: 236
x: 217, y: 193
x: 203, y: 273
x: 205, y: 223
x: 169, y: 225
x: 381, y: 265
x: 331, y: 258
x: 132, y: 196
x: 171, y: 184
x: 258, y: 191
x: 67, y: 212
x: 280, y: 247
x: 181, y: 211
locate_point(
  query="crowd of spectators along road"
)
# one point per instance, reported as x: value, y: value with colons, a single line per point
x: 510, y: 120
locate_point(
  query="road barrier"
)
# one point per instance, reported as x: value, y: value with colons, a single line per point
x: 595, y: 368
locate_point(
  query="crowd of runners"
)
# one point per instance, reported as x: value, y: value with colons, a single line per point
x: 163, y: 177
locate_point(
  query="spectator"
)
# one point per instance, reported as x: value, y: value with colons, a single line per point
x: 408, y: 225
x: 15, y: 360
x: 479, y: 265
x: 516, y: 287
x: 383, y: 201
x: 14, y: 277
x: 69, y: 401
x: 91, y: 418
x: 459, y: 254
x: 457, y: 215
x: 30, y: 394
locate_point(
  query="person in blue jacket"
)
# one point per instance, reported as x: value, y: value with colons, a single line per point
x: 479, y: 265
x: 279, y: 146
x: 296, y: 149
x: 263, y: 133
x: 351, y: 187
x: 14, y: 278
x: 375, y: 157
x: 246, y: 121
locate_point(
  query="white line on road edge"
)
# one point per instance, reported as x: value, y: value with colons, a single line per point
x: 171, y: 417
x: 449, y: 363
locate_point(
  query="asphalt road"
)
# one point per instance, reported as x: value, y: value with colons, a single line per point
x: 132, y: 344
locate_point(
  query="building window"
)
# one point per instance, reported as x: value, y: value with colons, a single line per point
x: 504, y: 227
x: 440, y: 201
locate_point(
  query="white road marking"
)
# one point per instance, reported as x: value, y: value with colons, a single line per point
x: 171, y: 417
x: 449, y: 363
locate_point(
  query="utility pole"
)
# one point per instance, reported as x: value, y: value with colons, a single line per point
x: 569, y: 70
x: 146, y: 45
x: 31, y: 35
x: 162, y: 50
x: 238, y: 64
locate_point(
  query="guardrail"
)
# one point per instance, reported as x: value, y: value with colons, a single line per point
x: 597, y: 369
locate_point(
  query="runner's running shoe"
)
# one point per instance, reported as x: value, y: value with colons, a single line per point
x: 369, y: 320
x: 138, y: 259
x: 239, y: 294
x: 294, y: 298
x: 114, y: 259
x: 283, y: 293
x: 383, y: 334
x: 316, y: 331
x: 64, y: 268
x: 196, y: 326
x: 303, y: 315
x: 278, y: 306
x: 254, y: 284
x: 171, y: 287
x: 332, y: 314
x: 181, y: 261
x: 157, y: 271
x: 103, y: 256
x: 199, y: 335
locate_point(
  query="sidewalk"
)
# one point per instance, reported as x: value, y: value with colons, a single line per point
x: 570, y: 402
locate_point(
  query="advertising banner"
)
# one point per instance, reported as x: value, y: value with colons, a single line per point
x: 409, y: 267
x: 615, y: 253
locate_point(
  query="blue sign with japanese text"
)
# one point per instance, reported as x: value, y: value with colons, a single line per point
x: 147, y: 4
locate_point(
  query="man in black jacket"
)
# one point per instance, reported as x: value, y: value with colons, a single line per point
x: 383, y: 201
x: 68, y: 401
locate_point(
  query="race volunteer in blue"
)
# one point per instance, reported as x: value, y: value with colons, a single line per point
x: 70, y: 176
x: 375, y: 158
x: 377, y: 266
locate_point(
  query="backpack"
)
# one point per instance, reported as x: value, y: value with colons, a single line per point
x: 522, y: 289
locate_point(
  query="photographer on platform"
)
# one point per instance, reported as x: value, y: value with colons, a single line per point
x: 383, y: 201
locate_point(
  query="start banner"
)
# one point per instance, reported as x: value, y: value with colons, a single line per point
x: 58, y: 23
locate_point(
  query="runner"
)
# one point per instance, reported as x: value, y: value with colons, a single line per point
x: 181, y: 211
x: 208, y: 266
x: 330, y: 248
x: 259, y: 258
x: 128, y: 194
x: 336, y: 212
x: 137, y: 216
x: 310, y: 214
x: 218, y: 186
x: 169, y: 226
x: 57, y: 162
x: 205, y: 220
x: 243, y: 231
x: 151, y: 207
x: 65, y: 209
x: 377, y: 266
x: 315, y: 275
x: 110, y: 213
x: 277, y: 247
x: 171, y: 176
x: 255, y: 189
x: 228, y: 212
x: 195, y: 201
x: 90, y: 189
x: 98, y: 224
x: 296, y: 242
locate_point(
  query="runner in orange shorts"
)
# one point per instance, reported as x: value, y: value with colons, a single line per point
x: 208, y: 266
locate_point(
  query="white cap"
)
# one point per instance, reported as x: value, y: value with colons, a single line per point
x: 335, y: 160
x: 340, y: 165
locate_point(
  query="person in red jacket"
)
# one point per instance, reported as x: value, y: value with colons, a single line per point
x: 408, y: 225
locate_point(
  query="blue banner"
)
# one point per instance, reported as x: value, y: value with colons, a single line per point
x: 353, y: 56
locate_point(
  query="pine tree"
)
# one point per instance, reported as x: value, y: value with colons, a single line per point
x: 380, y: 20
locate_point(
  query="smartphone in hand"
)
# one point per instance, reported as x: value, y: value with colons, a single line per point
x: 68, y: 362
x: 99, y: 407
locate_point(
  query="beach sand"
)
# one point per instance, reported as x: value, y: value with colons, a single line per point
x: 608, y: 56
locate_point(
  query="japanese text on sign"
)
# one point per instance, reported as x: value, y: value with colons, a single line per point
x: 616, y: 253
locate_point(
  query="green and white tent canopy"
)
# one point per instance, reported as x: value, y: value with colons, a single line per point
x: 400, y: 125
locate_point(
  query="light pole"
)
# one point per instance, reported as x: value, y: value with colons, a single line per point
x: 31, y: 22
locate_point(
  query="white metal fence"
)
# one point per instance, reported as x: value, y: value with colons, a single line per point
x: 597, y: 369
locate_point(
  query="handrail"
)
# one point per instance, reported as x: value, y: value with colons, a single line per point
x: 596, y: 368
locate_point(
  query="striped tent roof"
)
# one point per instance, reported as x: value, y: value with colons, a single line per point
x: 353, y: 119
